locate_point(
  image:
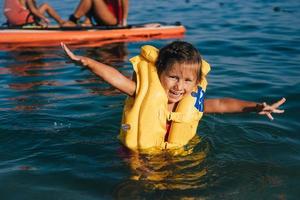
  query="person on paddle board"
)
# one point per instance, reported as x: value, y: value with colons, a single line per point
x: 101, y: 12
x: 22, y: 12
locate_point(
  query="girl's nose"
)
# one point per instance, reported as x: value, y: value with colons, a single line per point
x: 179, y: 85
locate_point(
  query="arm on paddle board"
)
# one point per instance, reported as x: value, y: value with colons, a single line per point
x: 106, y: 72
x: 229, y: 105
x: 125, y: 12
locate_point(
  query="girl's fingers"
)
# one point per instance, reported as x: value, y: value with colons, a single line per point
x: 270, y: 116
x: 262, y: 112
x: 65, y: 48
x: 69, y: 52
x: 274, y: 106
x: 278, y: 111
x: 267, y: 110
x: 279, y: 103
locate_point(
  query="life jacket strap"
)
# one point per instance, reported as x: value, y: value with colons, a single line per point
x: 183, y: 118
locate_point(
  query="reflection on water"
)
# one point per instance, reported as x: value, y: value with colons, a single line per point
x: 29, y: 63
x: 165, y: 171
x: 109, y: 54
x: 36, y: 77
x: 25, y: 77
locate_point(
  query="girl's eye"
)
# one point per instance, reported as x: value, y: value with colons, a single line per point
x: 173, y: 77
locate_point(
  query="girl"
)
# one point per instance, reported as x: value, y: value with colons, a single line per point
x: 104, y: 12
x: 22, y: 12
x: 166, y: 96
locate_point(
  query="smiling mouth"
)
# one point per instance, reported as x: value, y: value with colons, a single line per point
x: 175, y: 94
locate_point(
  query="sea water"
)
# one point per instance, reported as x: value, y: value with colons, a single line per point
x: 59, y: 123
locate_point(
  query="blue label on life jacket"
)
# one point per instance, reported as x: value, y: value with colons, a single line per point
x: 199, y: 95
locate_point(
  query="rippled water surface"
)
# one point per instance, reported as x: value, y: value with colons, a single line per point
x: 59, y: 123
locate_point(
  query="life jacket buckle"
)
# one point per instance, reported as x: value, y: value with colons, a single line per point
x: 125, y: 127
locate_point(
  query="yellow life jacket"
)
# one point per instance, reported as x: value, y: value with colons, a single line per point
x: 146, y: 113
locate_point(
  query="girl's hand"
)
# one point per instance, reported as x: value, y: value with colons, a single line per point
x: 81, y: 60
x: 266, y: 109
x: 124, y: 22
x: 44, y: 22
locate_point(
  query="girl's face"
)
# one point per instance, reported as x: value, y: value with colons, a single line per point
x: 179, y: 80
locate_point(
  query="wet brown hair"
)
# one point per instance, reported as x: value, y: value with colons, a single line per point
x: 178, y: 52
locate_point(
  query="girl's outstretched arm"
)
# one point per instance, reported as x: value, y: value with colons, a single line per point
x: 229, y: 105
x: 106, y: 72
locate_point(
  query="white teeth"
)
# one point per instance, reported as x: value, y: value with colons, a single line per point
x: 176, y: 93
